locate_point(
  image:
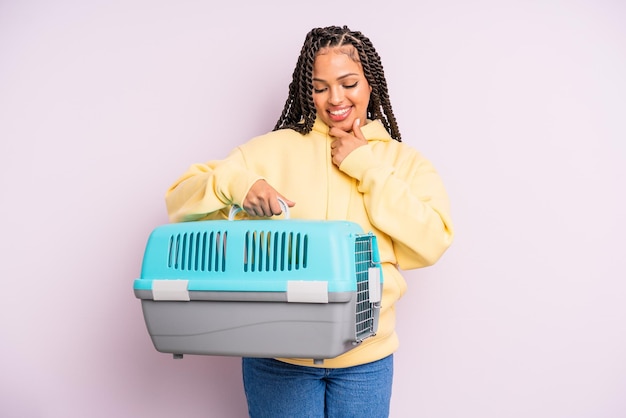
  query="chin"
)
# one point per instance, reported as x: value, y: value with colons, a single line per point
x: 343, y: 125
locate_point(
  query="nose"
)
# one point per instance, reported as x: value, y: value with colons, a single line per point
x: 336, y: 96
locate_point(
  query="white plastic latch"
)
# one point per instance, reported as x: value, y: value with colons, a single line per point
x: 307, y: 291
x: 373, y: 277
x: 170, y: 290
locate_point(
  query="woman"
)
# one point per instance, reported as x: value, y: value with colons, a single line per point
x: 336, y: 151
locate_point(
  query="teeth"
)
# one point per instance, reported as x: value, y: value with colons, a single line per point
x: 340, y: 112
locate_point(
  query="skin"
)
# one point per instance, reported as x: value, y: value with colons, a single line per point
x: 341, y: 95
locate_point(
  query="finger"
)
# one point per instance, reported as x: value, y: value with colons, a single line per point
x: 275, y: 207
x: 254, y: 210
x: 287, y: 201
x: 337, y: 133
x: 356, y: 130
x: 257, y: 206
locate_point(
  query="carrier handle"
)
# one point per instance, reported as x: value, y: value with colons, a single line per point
x: 235, y: 209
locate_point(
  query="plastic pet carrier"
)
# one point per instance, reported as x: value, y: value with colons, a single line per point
x: 260, y: 288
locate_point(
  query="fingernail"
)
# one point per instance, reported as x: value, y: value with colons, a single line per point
x: 358, y: 122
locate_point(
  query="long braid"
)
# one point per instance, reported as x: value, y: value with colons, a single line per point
x: 299, y: 110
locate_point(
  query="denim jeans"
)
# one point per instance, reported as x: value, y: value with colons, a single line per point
x: 275, y: 389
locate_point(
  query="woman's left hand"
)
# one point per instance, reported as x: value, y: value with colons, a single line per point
x: 345, y: 142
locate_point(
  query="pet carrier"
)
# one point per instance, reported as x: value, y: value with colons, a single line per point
x: 260, y: 288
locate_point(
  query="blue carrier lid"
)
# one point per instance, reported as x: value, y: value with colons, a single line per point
x: 256, y: 255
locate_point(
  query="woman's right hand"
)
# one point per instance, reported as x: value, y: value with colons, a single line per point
x: 262, y: 200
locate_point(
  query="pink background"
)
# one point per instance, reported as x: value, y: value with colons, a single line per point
x: 519, y: 104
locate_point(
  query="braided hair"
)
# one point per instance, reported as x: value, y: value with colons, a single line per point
x: 299, y: 112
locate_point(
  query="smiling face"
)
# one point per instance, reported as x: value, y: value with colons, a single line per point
x: 341, y: 92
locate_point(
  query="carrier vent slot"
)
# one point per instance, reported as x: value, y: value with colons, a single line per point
x: 364, y: 309
x: 198, y: 251
x: 274, y: 251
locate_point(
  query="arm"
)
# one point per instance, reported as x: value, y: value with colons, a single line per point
x: 404, y: 198
x: 407, y: 201
x: 207, y: 188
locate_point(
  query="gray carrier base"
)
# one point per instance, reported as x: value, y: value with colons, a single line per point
x: 242, y: 324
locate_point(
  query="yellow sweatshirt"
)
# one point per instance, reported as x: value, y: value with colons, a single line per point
x: 386, y: 187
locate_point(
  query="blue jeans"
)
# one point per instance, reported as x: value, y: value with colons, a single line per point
x: 275, y: 389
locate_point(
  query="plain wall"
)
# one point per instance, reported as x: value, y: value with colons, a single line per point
x: 519, y: 104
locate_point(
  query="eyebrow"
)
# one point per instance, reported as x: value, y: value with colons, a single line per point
x: 338, y: 78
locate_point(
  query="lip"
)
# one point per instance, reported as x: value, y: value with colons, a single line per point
x: 343, y: 114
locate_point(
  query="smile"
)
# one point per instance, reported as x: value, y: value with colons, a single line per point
x: 339, y: 112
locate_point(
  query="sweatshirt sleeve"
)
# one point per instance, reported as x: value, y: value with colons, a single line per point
x: 405, y: 199
x: 207, y: 188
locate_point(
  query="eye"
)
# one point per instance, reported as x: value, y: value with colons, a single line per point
x: 322, y: 90
x: 351, y: 86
